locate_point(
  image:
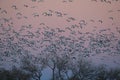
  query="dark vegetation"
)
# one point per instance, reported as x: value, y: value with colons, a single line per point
x: 83, y: 72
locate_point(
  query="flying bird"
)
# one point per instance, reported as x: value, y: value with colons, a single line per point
x: 70, y: 0
x: 40, y: 0
x: 67, y: 1
x: 109, y: 2
x: 118, y: 29
x: 100, y: 21
x: 33, y: 0
x: 111, y: 18
x: 34, y: 7
x: 29, y: 26
x: 25, y: 17
x: 118, y: 10
x: 35, y: 14
x: 4, y: 12
x: 68, y: 28
x: 82, y: 23
x: 25, y: 5
x: 42, y: 23
x: 67, y: 20
x: 60, y: 30
x: 59, y: 14
x: 92, y: 20
x: 74, y: 26
x: 19, y: 13
x: 110, y: 11
x: 46, y: 14
x: 14, y: 7
x: 70, y: 19
x: 94, y: 0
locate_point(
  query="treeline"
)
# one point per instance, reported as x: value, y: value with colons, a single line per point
x: 81, y: 71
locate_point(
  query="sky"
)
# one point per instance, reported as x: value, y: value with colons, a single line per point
x: 95, y: 13
x: 79, y: 9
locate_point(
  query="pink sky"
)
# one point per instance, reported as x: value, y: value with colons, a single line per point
x: 79, y: 9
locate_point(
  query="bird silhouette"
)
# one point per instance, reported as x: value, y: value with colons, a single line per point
x: 118, y: 29
x: 60, y: 30
x: 4, y: 12
x: 68, y: 28
x: 25, y: 17
x: 35, y: 15
x: 14, y: 7
x: 69, y: 19
x: 74, y: 26
x: 42, y: 23
x: 82, y: 23
x: 59, y: 14
x: 94, y: 0
x: 92, y: 20
x: 40, y: 0
x: 33, y: 7
x: 47, y: 14
x: 108, y: 2
x: 111, y: 18
x: 110, y: 11
x: 67, y: 1
x: 26, y: 5
x: 118, y: 10
x: 33, y: 0
x: 100, y: 21
x: 19, y: 15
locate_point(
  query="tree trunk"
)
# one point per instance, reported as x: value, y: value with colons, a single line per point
x: 53, y: 73
x: 60, y: 74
